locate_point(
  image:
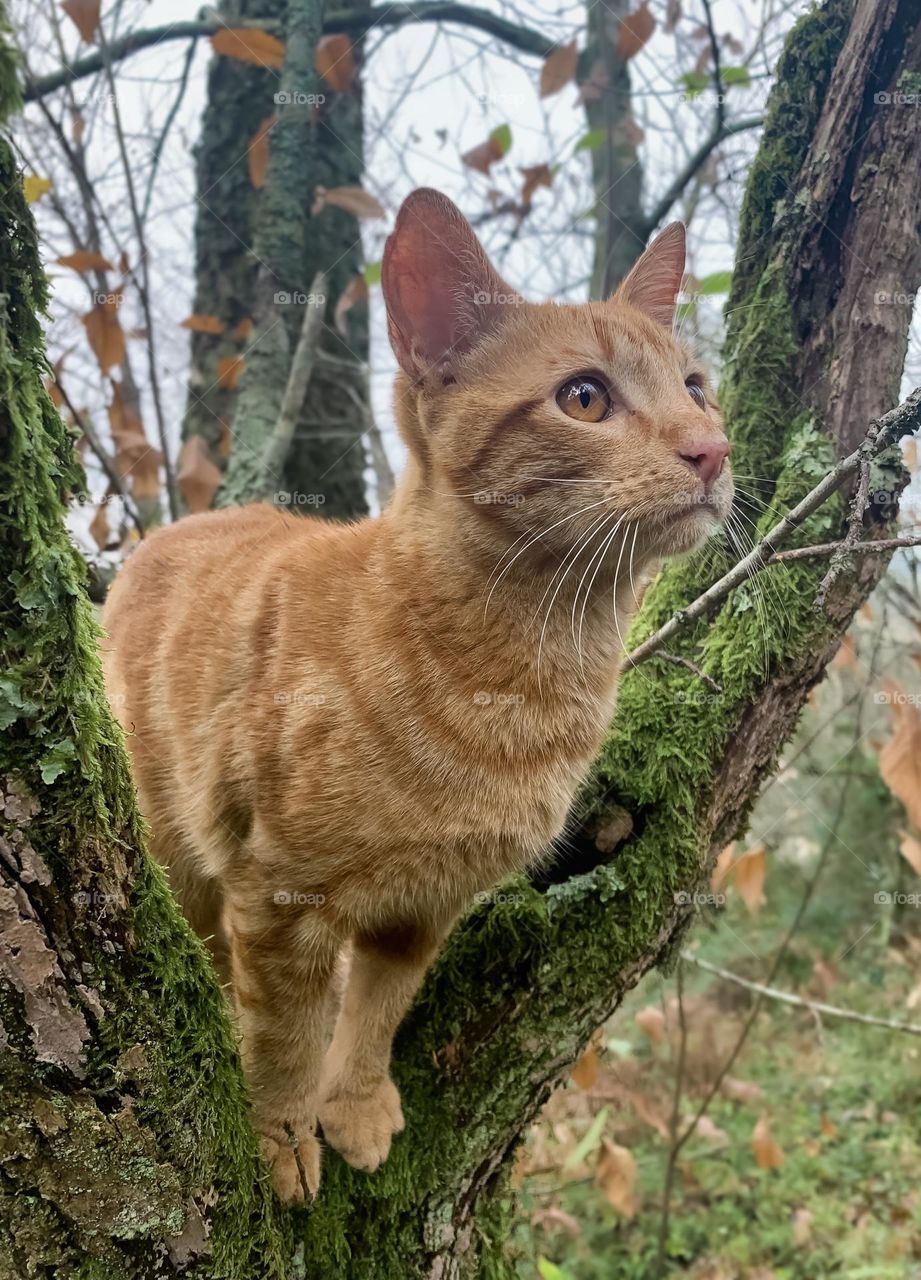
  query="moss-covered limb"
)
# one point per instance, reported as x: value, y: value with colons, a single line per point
x: 522, y: 983
x: 124, y: 1140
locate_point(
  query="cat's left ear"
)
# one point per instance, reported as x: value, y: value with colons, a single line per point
x: 653, y: 284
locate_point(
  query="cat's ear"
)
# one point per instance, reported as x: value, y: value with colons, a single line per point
x: 653, y: 284
x: 441, y: 291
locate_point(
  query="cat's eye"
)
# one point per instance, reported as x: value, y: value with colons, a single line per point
x: 584, y: 398
x: 696, y: 392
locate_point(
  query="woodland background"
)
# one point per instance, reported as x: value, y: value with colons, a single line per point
x: 211, y: 208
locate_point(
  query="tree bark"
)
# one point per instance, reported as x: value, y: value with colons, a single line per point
x: 122, y: 1104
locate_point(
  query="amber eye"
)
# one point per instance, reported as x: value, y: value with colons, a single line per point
x: 584, y: 398
x: 696, y: 392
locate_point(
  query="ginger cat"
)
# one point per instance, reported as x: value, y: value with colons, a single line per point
x: 341, y: 733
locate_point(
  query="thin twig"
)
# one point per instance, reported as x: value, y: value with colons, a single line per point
x: 823, y: 549
x: 815, y: 1006
x: 892, y: 426
x: 302, y: 364
x: 674, y: 1121
x: 167, y: 125
x: 681, y: 661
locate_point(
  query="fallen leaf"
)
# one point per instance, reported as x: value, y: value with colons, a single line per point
x: 536, y: 175
x: 767, y: 1153
x: 229, y: 369
x: 335, y: 62
x: 585, y: 1072
x: 634, y: 31
x: 203, y: 324
x: 558, y: 69
x: 248, y: 44
x: 84, y: 14
x: 354, y: 292
x: 910, y: 849
x: 615, y: 1174
x: 354, y: 200
x: 802, y: 1226
x: 748, y: 873
x: 824, y: 976
x: 828, y: 1127
x: 741, y: 1090
x: 713, y: 1134
x: 198, y: 477
x: 104, y: 332
x: 85, y: 260
x: 34, y: 187
x: 257, y: 153
x: 900, y: 758
x: 646, y: 1109
x: 651, y: 1021
x: 555, y: 1219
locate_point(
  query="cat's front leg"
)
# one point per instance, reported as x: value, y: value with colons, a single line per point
x: 283, y: 961
x: 360, y: 1105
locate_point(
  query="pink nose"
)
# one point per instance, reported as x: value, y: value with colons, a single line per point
x: 706, y: 457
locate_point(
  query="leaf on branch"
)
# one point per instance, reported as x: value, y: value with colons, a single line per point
x: 354, y: 200
x: 335, y: 62
x: 242, y: 330
x: 229, y: 371
x: 484, y: 156
x: 910, y: 849
x: 615, y: 1174
x: 585, y: 1072
x: 99, y: 527
x: 634, y: 31
x: 84, y: 14
x: 203, y: 324
x: 34, y: 187
x: 900, y: 758
x: 740, y: 76
x: 135, y: 457
x: 651, y: 1021
x: 85, y: 260
x: 248, y: 44
x: 198, y: 477
x: 104, y: 333
x: 767, y: 1153
x: 535, y: 175
x: 257, y: 153
x: 748, y: 872
x: 354, y: 292
x: 558, y: 69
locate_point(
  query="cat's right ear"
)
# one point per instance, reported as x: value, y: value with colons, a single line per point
x: 655, y: 281
x: 441, y: 291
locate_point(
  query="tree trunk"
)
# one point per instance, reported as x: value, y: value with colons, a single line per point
x: 123, y: 1105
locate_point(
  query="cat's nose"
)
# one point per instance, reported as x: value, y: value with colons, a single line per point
x: 706, y: 457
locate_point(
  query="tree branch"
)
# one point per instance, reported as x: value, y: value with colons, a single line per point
x: 892, y: 426
x: 355, y: 24
x: 718, y: 134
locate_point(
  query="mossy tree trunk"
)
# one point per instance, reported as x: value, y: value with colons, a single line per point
x: 123, y: 1105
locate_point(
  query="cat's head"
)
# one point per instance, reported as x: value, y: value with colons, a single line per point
x: 556, y: 419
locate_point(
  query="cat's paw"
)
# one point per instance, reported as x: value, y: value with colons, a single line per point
x: 294, y: 1155
x: 361, y: 1123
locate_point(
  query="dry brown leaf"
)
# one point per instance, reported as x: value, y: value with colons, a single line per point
x: 713, y: 1134
x: 242, y: 330
x: 910, y: 849
x: 203, y: 324
x: 248, y: 44
x: 556, y: 1219
x: 483, y: 157
x: 615, y: 1174
x: 828, y: 1127
x: 910, y: 453
x: 135, y: 457
x: 651, y: 1021
x: 634, y: 31
x: 84, y: 14
x: 558, y: 69
x: 229, y: 370
x: 335, y: 62
x: 802, y: 1226
x: 646, y: 1109
x: 198, y: 477
x: 99, y: 527
x: 824, y: 977
x: 354, y: 292
x: 257, y: 153
x: 104, y: 333
x: 585, y: 1072
x: 535, y: 175
x: 900, y: 758
x: 85, y: 260
x: 722, y: 868
x: 846, y: 657
x: 741, y: 1090
x: 767, y: 1153
x: 354, y: 200
x: 748, y: 873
